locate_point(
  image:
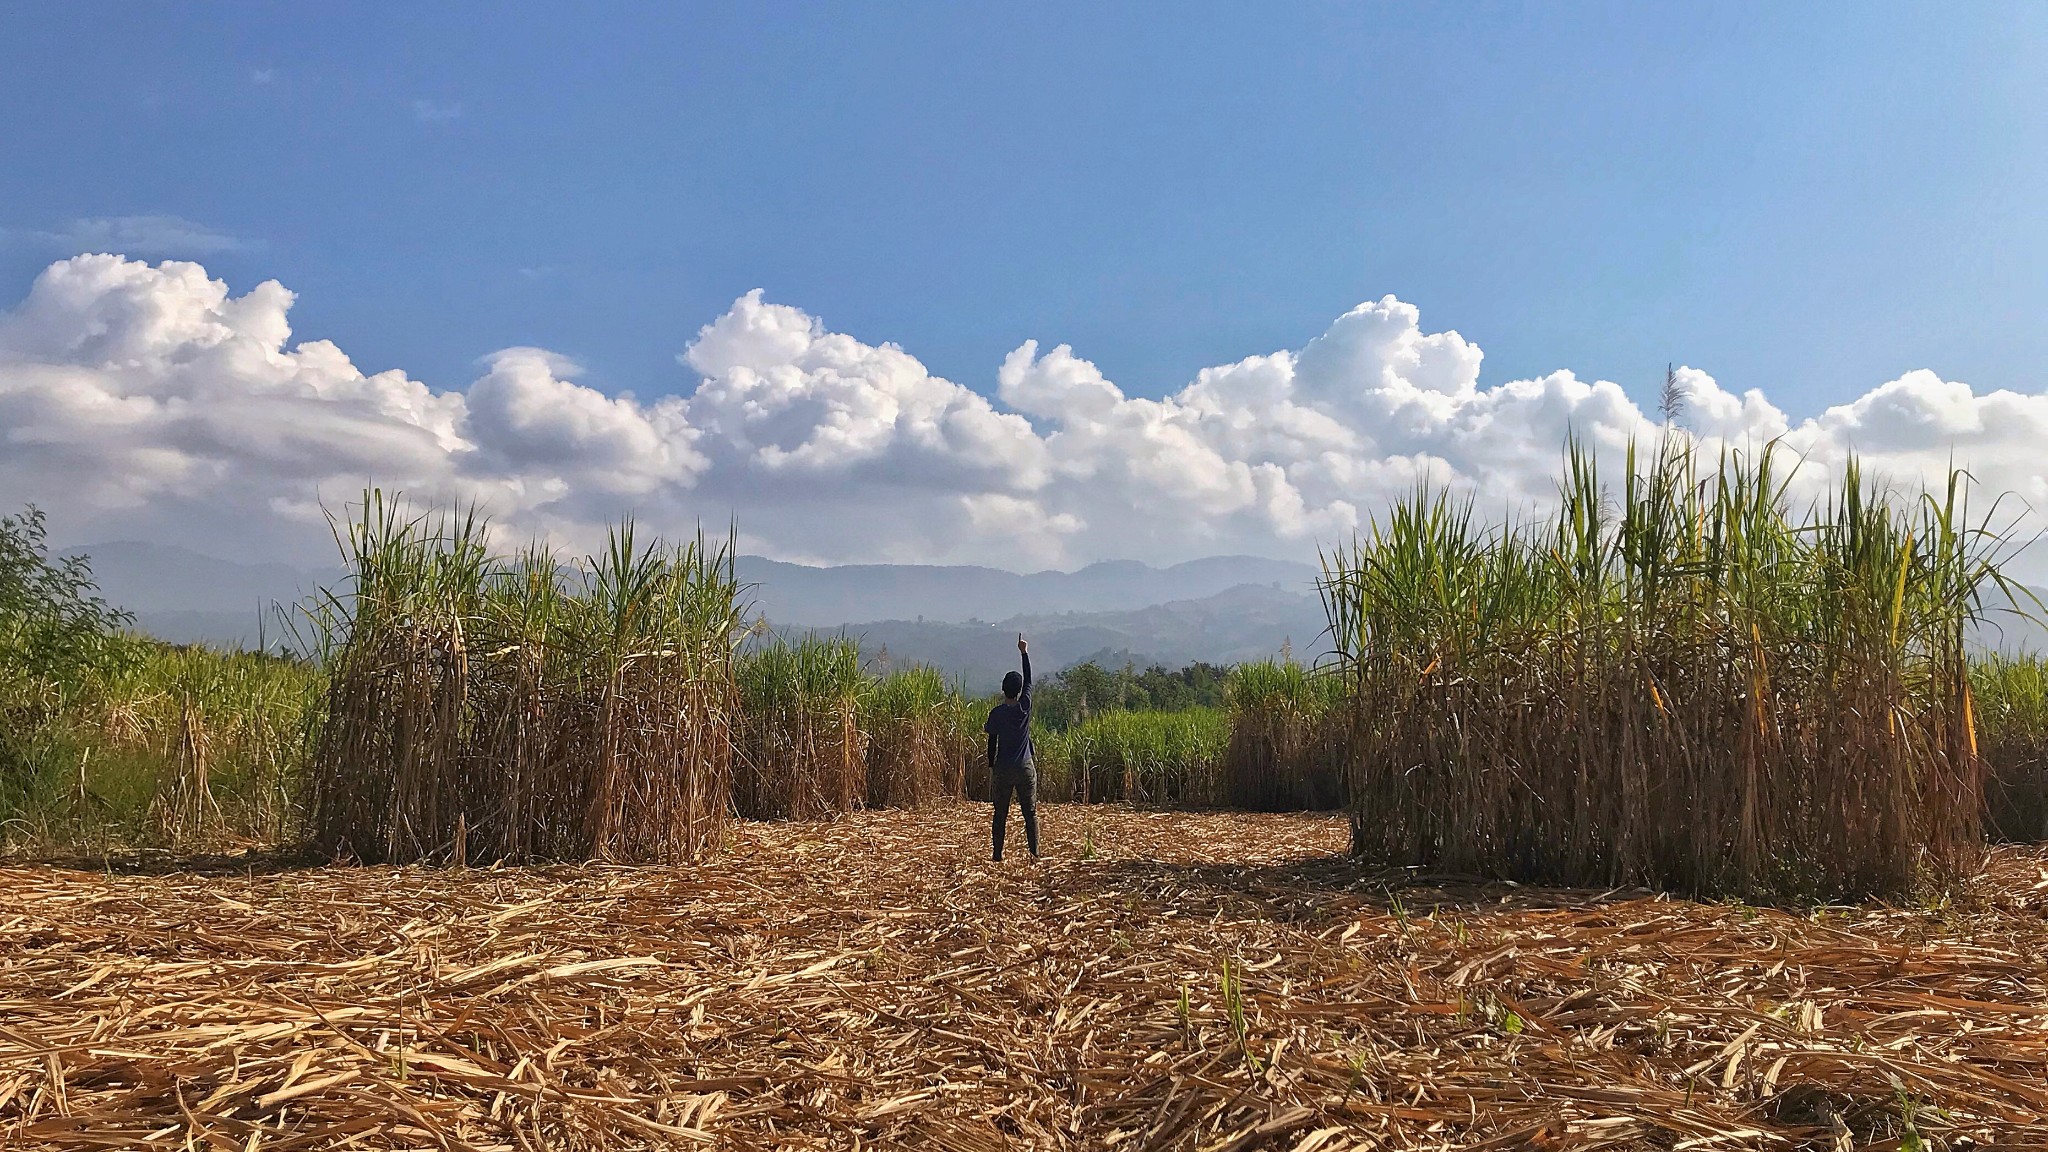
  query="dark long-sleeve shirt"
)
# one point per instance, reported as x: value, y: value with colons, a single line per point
x: 1009, y: 727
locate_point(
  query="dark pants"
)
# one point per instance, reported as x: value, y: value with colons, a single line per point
x: 1023, y: 779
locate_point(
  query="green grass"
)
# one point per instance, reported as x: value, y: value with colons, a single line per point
x: 913, y: 719
x: 2011, y: 713
x: 110, y: 740
x: 1284, y: 737
x: 171, y: 747
x: 802, y: 751
x: 1143, y: 757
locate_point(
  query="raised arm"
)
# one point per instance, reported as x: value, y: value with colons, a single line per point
x: 1024, y: 654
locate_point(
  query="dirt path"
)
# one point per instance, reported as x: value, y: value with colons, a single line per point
x: 877, y: 983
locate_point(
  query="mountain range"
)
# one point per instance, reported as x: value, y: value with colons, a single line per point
x: 961, y: 619
x: 805, y: 595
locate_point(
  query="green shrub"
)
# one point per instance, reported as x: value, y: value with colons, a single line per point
x: 58, y: 642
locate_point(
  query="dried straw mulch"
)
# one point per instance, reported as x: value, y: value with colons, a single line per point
x: 875, y: 983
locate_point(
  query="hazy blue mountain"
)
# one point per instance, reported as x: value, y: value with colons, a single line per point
x: 185, y: 596
x: 1248, y: 622
x: 801, y: 594
x: 188, y: 597
x: 167, y: 577
x: 961, y: 619
x: 2014, y: 627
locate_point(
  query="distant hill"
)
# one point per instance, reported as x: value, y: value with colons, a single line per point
x: 144, y: 577
x: 2011, y: 627
x: 186, y: 596
x: 960, y: 619
x: 801, y: 594
x: 1248, y: 622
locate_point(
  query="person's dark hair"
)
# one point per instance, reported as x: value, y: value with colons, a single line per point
x: 1012, y: 684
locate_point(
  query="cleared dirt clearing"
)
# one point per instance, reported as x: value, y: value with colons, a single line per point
x: 875, y: 982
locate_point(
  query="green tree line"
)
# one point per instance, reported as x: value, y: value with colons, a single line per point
x: 1090, y: 689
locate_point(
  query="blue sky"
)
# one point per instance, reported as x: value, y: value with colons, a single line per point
x: 1807, y: 198
x: 1812, y: 200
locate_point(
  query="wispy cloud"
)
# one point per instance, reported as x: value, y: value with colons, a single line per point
x: 263, y: 76
x: 435, y: 111
x: 155, y: 234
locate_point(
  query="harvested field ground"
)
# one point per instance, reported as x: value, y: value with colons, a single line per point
x: 877, y: 983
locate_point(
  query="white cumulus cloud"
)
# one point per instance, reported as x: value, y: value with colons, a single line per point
x: 149, y: 400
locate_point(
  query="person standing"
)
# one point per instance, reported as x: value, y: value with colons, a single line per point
x: 1009, y: 754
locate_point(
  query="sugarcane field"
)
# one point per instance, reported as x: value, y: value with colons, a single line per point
x: 1684, y: 817
x: 1099, y: 576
